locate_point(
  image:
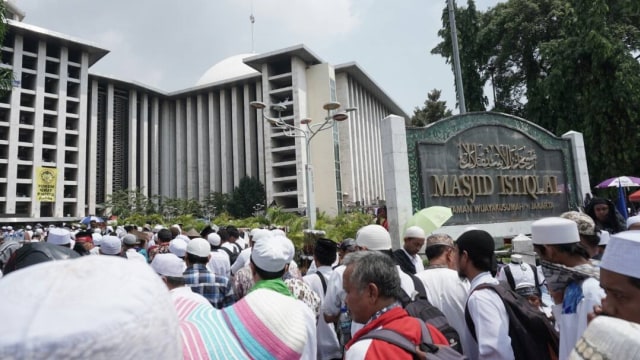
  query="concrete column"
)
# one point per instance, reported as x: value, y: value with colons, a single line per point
x: 143, y: 141
x: 108, y: 166
x: 237, y: 135
x: 396, y: 173
x: 191, y: 140
x: 215, y: 173
x: 181, y: 153
x: 249, y: 136
x: 132, y: 157
x: 579, y: 163
x: 202, y: 130
x: 258, y: 121
x: 62, y: 121
x: 14, y: 122
x: 155, y: 124
x: 81, y: 178
x: 92, y: 159
x: 226, y: 140
x: 38, y: 122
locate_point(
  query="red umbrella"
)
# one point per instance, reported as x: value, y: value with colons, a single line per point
x: 635, y: 197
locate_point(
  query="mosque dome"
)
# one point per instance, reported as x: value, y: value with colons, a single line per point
x: 229, y: 68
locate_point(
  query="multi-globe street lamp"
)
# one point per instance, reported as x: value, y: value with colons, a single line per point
x: 307, y: 132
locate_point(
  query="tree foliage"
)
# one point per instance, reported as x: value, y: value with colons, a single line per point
x: 433, y: 110
x: 247, y: 198
x: 564, y: 64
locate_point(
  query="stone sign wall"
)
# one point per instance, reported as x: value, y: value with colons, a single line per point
x: 490, y: 167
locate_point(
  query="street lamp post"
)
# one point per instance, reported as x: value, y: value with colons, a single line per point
x: 308, y: 132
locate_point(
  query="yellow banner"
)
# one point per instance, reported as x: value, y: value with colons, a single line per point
x: 46, y: 178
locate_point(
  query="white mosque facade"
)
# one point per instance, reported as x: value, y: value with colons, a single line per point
x: 102, y: 134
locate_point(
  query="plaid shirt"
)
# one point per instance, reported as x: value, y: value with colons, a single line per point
x: 216, y: 288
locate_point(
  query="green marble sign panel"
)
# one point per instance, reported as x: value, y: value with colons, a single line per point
x: 490, y: 167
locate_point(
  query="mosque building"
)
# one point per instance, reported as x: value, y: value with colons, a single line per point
x: 69, y: 137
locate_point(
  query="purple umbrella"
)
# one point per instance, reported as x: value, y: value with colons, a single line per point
x: 620, y: 181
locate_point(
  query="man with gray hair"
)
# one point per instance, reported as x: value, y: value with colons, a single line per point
x: 372, y: 285
x: 445, y: 289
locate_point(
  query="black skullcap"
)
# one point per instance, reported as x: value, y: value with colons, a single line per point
x: 325, y: 246
x: 480, y: 245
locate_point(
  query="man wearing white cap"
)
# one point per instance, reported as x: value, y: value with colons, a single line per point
x: 59, y: 236
x: 170, y: 268
x: 407, y: 257
x: 42, y: 320
x: 369, y: 237
x: 445, y: 289
x: 268, y: 262
x: 219, y: 262
x: 129, y: 243
x: 620, y: 276
x: 571, y: 278
x: 216, y: 288
x: 178, y: 247
x: 110, y: 245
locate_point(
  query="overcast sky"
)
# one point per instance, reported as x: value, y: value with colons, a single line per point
x: 170, y: 44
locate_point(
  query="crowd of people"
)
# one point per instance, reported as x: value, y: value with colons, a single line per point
x: 224, y: 293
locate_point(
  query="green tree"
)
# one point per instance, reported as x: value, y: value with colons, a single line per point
x: 469, y: 23
x: 247, y: 197
x: 215, y: 203
x: 566, y: 65
x: 125, y: 202
x: 433, y: 110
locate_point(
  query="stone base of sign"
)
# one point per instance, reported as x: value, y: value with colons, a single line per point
x: 396, y: 176
x: 579, y: 163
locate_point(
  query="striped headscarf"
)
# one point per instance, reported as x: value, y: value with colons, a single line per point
x: 263, y: 325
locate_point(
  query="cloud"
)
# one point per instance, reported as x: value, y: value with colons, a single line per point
x: 309, y: 19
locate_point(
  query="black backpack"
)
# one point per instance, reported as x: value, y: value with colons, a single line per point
x: 233, y: 255
x: 533, y: 336
x: 421, y: 308
x: 512, y: 282
x: 427, y: 349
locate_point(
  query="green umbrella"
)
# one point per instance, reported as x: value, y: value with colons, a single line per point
x: 430, y: 219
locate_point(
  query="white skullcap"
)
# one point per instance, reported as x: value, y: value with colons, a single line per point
x: 97, y: 239
x: 278, y: 232
x: 608, y: 338
x: 414, y: 232
x: 604, y: 238
x: 184, y: 238
x: 271, y: 254
x: 157, y: 228
x: 199, y: 247
x: 178, y: 247
x: 39, y: 321
x: 289, y: 248
x: 253, y: 231
x: 554, y: 231
x: 632, y: 221
x: 622, y: 254
x: 110, y: 245
x: 261, y: 234
x: 28, y: 227
x: 168, y: 265
x: 59, y: 236
x: 373, y: 237
x: 214, y: 239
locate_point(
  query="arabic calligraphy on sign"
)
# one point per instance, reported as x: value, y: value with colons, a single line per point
x: 497, y: 156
